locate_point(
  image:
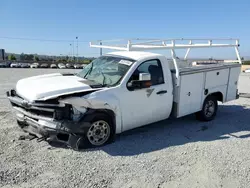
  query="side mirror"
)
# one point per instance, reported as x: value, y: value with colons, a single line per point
x: 145, y: 77
x: 143, y: 82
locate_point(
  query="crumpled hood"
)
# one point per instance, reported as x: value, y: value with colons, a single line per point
x: 49, y: 86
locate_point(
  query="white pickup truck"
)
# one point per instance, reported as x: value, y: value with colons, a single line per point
x: 120, y: 91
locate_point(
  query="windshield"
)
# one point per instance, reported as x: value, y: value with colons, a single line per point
x: 106, y: 70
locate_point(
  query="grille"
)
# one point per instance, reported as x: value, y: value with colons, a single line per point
x: 49, y: 108
x: 37, y: 111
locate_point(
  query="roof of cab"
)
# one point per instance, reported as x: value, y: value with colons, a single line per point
x: 136, y: 55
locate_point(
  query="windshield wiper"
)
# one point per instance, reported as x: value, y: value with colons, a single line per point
x: 104, y: 78
x: 90, y: 69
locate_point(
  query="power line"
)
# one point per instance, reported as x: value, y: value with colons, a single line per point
x: 52, y: 40
x: 80, y: 55
x: 36, y: 39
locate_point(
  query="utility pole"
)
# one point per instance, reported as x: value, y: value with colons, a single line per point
x: 70, y: 52
x: 61, y: 57
x: 77, y: 49
x: 100, y: 48
x: 73, y: 51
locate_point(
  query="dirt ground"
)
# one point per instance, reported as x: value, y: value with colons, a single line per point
x: 173, y: 153
x: 244, y: 67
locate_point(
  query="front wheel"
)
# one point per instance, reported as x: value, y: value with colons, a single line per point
x: 99, y: 133
x: 209, y: 109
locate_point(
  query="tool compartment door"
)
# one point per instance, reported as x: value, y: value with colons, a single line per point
x: 191, y: 89
x: 233, y: 83
x: 216, y: 78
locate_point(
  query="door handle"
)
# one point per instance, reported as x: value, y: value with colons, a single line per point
x: 161, y: 92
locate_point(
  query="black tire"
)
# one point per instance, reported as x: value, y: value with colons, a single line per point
x: 85, y: 142
x: 209, y: 109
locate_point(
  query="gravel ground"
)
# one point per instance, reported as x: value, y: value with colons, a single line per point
x: 173, y: 153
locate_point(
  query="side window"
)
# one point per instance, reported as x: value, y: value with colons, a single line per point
x: 153, y: 67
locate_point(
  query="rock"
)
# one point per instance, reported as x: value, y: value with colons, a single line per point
x: 22, y: 137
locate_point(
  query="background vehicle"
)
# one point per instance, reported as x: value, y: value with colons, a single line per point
x: 4, y: 64
x: 124, y: 90
x: 24, y: 65
x: 247, y: 70
x: 15, y: 65
x: 77, y: 66
x: 69, y: 66
x: 53, y: 66
x: 61, y: 66
x: 44, y: 65
x: 34, y: 65
x: 8, y: 63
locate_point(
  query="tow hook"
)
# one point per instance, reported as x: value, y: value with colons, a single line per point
x: 42, y: 138
x: 29, y: 137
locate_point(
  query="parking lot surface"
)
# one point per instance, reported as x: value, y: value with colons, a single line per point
x: 172, y: 153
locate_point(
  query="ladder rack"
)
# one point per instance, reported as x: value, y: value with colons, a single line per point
x: 152, y: 44
x: 171, y: 44
x: 140, y: 44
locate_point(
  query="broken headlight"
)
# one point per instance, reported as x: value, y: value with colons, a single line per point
x: 77, y: 112
x: 69, y: 112
x: 62, y: 113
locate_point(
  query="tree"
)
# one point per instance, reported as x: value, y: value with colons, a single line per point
x: 36, y: 58
x: 86, y: 61
x: 67, y: 58
x: 12, y: 57
x: 28, y: 57
x: 22, y: 57
x: 242, y: 58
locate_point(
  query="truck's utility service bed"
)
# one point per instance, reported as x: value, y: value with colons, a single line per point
x: 198, y: 82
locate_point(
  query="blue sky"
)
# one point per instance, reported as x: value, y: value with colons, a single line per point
x: 111, y: 19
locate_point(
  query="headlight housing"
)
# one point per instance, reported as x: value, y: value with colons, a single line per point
x: 77, y: 112
x: 62, y: 113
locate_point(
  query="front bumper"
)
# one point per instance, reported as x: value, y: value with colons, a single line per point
x: 37, y: 125
x: 51, y: 131
x: 45, y: 128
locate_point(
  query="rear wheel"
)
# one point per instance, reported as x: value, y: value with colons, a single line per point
x: 209, y: 109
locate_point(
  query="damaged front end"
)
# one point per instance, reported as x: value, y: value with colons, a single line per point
x: 50, y: 120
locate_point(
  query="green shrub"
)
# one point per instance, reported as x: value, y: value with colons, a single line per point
x: 246, y: 62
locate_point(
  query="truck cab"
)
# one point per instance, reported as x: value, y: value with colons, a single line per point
x: 142, y: 103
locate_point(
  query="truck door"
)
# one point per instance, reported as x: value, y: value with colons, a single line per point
x: 144, y: 106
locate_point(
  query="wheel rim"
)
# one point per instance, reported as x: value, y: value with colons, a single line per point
x: 98, y: 133
x: 209, y: 108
